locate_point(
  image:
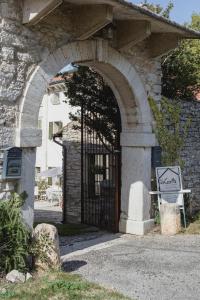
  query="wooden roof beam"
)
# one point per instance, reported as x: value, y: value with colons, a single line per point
x: 88, y: 19
x: 160, y: 44
x: 130, y: 33
x: 34, y: 11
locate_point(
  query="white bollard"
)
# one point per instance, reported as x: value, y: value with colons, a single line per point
x: 170, y: 218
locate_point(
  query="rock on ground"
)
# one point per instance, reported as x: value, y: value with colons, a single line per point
x: 48, y: 256
x: 15, y: 277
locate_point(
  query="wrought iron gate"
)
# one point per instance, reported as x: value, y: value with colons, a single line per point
x: 100, y: 172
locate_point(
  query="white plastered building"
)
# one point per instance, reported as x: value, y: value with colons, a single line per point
x: 53, y: 115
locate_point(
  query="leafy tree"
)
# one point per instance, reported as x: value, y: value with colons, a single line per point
x: 181, y: 68
x: 158, y: 9
x: 87, y: 89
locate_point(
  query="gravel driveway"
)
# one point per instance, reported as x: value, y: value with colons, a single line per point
x: 151, y: 267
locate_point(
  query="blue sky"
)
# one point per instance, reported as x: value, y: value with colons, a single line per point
x: 182, y: 11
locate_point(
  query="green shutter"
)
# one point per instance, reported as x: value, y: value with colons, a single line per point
x: 50, y: 130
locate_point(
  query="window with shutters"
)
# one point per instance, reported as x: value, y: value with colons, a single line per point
x: 55, y: 99
x: 49, y: 179
x: 54, y: 127
x: 37, y: 172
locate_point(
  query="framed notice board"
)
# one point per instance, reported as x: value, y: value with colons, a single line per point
x: 169, y: 179
x: 12, y: 163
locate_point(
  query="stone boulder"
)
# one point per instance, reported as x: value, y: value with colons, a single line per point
x: 16, y: 277
x: 46, y: 240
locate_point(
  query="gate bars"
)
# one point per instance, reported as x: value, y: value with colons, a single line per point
x: 100, y: 173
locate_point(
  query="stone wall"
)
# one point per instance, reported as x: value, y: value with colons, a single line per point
x: 149, y: 69
x: 191, y: 153
x: 23, y: 48
x: 19, y: 53
x: 72, y: 140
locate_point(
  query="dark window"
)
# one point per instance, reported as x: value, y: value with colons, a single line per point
x: 49, y: 180
x: 54, y: 127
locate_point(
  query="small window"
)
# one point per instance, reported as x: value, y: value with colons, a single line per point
x: 50, y: 130
x: 54, y: 127
x: 49, y: 180
x: 55, y: 99
x: 37, y: 172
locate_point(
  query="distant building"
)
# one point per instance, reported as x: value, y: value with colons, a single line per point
x: 53, y: 115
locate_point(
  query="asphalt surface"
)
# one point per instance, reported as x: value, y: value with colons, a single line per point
x: 44, y: 211
x: 153, y: 267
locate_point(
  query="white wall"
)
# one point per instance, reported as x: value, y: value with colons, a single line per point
x: 50, y: 154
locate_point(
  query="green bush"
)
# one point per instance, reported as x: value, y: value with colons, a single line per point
x: 14, y: 235
x: 42, y: 186
x: 170, y: 132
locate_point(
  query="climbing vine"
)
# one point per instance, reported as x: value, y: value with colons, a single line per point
x: 169, y: 130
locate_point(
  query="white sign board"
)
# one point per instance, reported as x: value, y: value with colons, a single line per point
x: 169, y: 180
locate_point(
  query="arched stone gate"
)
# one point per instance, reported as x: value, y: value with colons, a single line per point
x: 121, y: 41
x: 136, y: 138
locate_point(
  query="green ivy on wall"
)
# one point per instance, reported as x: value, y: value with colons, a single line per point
x: 169, y: 130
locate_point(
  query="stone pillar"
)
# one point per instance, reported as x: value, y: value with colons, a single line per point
x: 136, y: 183
x: 27, y: 183
x: 28, y: 139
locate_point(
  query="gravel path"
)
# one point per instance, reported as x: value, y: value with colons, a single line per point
x: 145, y: 268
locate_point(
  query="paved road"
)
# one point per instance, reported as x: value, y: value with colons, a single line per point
x: 44, y: 211
x: 145, y: 268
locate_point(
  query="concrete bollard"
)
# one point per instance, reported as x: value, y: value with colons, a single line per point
x: 48, y: 255
x: 170, y: 219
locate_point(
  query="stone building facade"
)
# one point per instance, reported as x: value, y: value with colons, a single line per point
x: 123, y: 42
x: 72, y: 139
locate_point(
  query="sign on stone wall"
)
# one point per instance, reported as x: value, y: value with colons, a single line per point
x: 169, y: 179
x: 12, y: 163
x: 169, y: 183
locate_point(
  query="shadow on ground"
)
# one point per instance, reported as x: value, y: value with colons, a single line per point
x: 73, y: 265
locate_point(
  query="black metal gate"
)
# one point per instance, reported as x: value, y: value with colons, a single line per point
x: 100, y: 171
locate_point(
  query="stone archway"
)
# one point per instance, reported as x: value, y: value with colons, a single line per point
x: 136, y: 138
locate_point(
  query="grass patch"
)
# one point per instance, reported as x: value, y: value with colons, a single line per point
x: 70, y: 229
x: 59, y: 286
x: 194, y: 226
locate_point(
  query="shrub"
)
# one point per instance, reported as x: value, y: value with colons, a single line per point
x: 14, y: 235
x: 42, y: 186
x: 170, y: 132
